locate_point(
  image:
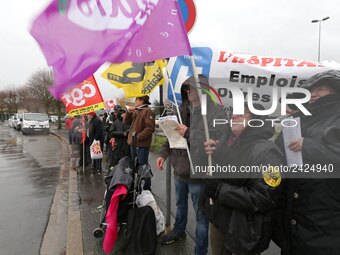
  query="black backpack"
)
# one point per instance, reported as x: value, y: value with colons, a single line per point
x: 140, y: 237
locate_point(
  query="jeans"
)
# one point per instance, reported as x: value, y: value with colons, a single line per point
x: 142, y: 154
x: 182, y: 189
x: 97, y: 164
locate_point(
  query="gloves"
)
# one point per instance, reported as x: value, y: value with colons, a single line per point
x: 211, y: 188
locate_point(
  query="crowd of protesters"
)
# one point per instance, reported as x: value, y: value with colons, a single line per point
x: 300, y: 215
x: 237, y: 216
x: 115, y: 133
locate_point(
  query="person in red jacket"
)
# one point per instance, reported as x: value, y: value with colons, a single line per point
x: 68, y: 124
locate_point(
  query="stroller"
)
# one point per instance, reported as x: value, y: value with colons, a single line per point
x: 131, y: 174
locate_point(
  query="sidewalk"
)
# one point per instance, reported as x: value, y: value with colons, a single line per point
x: 91, y: 189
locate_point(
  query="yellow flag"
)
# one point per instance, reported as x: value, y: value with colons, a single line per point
x: 136, y: 79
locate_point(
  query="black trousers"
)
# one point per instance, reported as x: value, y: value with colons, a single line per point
x: 87, y: 154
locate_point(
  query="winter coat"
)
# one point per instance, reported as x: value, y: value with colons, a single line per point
x: 117, y: 131
x: 308, y: 220
x: 142, y: 122
x: 96, y: 130
x: 196, y: 135
x: 179, y: 157
x: 243, y: 208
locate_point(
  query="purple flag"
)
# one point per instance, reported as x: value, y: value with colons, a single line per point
x: 78, y: 36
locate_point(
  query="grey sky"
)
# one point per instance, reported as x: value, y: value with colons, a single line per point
x: 264, y: 27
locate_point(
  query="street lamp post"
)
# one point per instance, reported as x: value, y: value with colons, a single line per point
x: 319, y: 21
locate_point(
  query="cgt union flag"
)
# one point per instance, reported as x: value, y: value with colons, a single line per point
x: 83, y: 98
x: 78, y: 36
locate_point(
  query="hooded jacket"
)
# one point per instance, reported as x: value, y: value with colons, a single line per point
x: 195, y: 136
x: 243, y: 208
x: 308, y: 220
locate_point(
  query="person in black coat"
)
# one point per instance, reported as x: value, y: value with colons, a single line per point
x: 96, y: 132
x: 119, y: 131
x: 308, y: 220
x: 243, y: 204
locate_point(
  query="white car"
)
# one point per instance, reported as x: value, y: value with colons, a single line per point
x: 53, y: 118
x: 17, y: 123
x: 35, y: 123
x: 10, y: 121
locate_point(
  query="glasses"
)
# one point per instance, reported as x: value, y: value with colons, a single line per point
x: 239, y: 116
x: 320, y: 89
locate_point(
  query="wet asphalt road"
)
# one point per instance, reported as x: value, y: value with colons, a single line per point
x: 29, y: 171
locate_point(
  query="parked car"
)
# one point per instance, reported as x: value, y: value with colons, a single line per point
x: 14, y: 121
x: 35, y: 123
x: 18, y: 122
x: 53, y: 118
x: 10, y: 121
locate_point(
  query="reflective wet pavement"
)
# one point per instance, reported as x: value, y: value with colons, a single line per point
x: 29, y: 171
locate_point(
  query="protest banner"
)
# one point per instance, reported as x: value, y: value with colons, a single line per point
x: 83, y: 98
x: 224, y: 68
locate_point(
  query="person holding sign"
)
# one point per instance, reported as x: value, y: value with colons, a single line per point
x: 243, y: 207
x: 192, y: 130
x: 308, y: 220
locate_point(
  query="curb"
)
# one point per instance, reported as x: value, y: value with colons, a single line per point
x: 74, y: 229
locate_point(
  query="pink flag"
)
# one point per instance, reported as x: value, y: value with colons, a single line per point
x: 78, y: 36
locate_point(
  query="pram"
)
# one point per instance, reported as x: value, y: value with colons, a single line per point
x: 131, y: 174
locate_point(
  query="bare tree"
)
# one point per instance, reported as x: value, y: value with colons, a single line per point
x: 2, y: 105
x: 11, y: 99
x: 38, y: 85
x: 28, y: 101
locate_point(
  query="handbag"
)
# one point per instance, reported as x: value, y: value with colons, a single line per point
x: 95, y: 150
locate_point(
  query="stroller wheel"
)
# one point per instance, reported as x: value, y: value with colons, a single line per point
x: 98, y: 233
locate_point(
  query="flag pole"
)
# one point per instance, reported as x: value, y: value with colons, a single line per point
x: 83, y: 157
x: 82, y: 138
x: 204, y: 114
x: 180, y: 120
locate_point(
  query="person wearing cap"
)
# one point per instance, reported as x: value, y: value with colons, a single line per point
x: 308, y: 219
x: 192, y: 129
x: 142, y: 123
x: 96, y: 132
x: 243, y: 204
